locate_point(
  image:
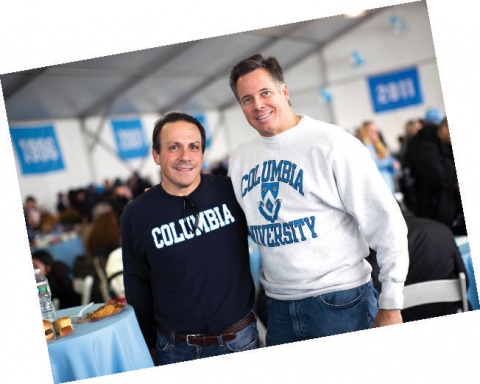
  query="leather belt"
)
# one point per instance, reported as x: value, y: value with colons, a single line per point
x: 203, y: 339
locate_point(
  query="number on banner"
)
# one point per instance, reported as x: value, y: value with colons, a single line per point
x: 130, y: 139
x: 394, y: 91
x: 38, y: 150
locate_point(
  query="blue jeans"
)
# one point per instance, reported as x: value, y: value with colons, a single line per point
x: 324, y: 315
x: 169, y: 352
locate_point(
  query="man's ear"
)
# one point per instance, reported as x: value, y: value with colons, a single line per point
x: 284, y: 92
x: 156, y: 156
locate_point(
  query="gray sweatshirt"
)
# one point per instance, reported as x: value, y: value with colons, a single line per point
x: 315, y: 202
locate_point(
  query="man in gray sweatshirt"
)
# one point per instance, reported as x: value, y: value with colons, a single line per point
x: 314, y: 202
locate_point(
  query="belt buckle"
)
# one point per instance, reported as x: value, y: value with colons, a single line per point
x: 191, y: 335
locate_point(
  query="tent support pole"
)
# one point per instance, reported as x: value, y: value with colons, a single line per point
x: 85, y: 134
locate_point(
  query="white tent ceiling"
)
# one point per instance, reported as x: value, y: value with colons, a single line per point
x: 191, y: 76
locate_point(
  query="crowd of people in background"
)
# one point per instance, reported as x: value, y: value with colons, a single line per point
x: 76, y: 208
x: 91, y: 213
x: 421, y: 173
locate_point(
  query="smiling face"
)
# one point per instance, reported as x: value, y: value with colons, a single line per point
x: 180, y: 157
x: 264, y: 104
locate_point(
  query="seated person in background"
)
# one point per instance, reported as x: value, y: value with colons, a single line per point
x: 120, y: 196
x: 136, y: 185
x: 32, y: 218
x: 429, y: 157
x: 411, y: 128
x: 62, y: 202
x: 100, y: 238
x: 103, y: 235
x: 114, y: 273
x: 434, y: 255
x: 59, y: 277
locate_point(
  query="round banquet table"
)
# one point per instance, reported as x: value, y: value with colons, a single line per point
x: 66, y: 250
x: 111, y: 345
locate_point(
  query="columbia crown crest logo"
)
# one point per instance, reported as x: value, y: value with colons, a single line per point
x: 270, y: 205
x: 268, y: 176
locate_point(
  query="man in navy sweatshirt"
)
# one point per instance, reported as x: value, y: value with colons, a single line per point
x: 185, y: 254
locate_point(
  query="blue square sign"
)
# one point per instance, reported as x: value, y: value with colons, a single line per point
x: 37, y: 149
x: 395, y: 90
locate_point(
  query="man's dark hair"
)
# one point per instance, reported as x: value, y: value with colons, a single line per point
x: 270, y: 64
x: 172, y: 118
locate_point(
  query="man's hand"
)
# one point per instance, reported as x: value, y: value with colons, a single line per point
x: 387, y: 317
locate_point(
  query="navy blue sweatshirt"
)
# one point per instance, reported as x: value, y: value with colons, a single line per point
x: 189, y: 283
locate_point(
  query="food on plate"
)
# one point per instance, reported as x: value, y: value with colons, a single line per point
x: 111, y: 307
x: 63, y: 326
x: 47, y: 325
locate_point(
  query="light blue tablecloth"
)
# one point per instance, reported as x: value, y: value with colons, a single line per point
x: 66, y: 251
x: 112, y: 345
x: 472, y: 292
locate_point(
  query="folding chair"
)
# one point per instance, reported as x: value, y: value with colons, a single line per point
x: 437, y: 291
x: 84, y: 286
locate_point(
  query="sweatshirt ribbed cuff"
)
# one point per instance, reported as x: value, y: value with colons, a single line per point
x: 391, y: 296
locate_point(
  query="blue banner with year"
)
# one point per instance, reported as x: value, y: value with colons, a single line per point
x: 395, y: 90
x: 37, y: 149
x: 130, y: 138
x: 208, y: 136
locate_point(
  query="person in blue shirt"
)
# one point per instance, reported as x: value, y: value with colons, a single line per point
x: 386, y: 163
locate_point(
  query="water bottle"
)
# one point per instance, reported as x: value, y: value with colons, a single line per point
x: 45, y: 296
